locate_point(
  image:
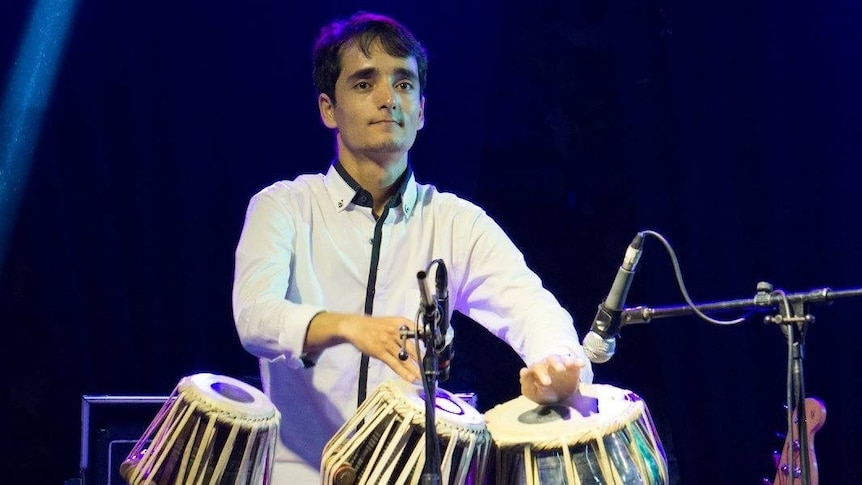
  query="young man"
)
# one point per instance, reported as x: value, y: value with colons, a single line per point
x: 326, y: 264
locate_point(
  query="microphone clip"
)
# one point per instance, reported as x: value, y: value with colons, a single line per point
x: 427, y: 304
x: 608, y: 322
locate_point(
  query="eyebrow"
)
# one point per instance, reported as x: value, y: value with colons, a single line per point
x: 371, y: 72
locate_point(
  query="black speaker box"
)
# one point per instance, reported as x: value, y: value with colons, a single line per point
x: 110, y: 428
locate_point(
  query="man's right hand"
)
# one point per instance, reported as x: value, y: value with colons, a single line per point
x: 377, y: 337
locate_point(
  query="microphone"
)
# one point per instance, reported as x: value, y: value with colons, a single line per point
x: 428, y: 306
x: 435, y: 314
x: 444, y: 346
x: 601, y: 341
x: 441, y: 287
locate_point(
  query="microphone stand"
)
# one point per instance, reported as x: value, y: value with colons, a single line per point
x: 792, y: 317
x: 431, y: 473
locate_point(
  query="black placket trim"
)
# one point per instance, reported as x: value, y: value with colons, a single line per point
x: 370, y: 290
x: 363, y: 198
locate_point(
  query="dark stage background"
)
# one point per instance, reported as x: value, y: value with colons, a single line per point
x: 733, y: 128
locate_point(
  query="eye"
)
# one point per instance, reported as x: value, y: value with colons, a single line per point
x: 362, y: 85
x: 405, y: 86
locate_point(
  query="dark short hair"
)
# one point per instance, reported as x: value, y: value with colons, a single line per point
x: 364, y: 29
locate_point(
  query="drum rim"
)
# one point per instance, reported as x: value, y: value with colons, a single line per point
x: 200, y: 387
x: 407, y: 394
x: 632, y: 408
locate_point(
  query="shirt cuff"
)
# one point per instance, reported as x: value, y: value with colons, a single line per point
x: 293, y: 337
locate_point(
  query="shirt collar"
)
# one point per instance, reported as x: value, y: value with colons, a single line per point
x: 344, y: 189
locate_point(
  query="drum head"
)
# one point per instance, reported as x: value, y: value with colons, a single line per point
x: 596, y: 411
x: 448, y: 407
x: 227, y: 394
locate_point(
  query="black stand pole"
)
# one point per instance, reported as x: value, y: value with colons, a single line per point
x: 793, y: 318
x: 762, y: 301
x: 431, y: 473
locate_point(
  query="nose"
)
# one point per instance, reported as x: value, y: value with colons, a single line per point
x: 388, y: 97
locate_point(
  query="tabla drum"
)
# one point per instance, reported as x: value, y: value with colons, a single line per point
x: 212, y: 430
x: 384, y: 441
x: 604, y: 435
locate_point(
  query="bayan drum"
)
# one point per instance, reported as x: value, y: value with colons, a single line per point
x: 212, y: 430
x: 603, y: 435
x: 384, y: 441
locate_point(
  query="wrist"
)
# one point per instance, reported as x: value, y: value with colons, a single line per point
x: 325, y: 330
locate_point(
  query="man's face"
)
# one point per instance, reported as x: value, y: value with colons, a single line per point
x: 378, y: 107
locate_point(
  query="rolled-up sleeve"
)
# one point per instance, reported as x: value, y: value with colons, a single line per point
x: 269, y: 325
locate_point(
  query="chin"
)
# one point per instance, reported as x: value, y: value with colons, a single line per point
x: 389, y: 147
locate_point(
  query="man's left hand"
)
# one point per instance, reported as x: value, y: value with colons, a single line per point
x: 552, y: 379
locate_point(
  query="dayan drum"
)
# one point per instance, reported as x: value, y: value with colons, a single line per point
x: 384, y: 441
x: 212, y: 430
x: 605, y: 435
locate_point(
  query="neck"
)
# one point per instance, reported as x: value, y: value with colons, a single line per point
x: 378, y: 177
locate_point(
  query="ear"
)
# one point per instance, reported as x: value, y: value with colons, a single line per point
x: 421, y: 112
x: 327, y: 110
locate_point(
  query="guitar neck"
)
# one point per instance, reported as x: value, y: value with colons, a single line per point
x: 789, y: 466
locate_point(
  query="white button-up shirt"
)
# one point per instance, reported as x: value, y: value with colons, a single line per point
x: 307, y: 247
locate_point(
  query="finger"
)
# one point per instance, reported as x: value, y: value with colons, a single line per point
x: 409, y: 347
x: 405, y: 370
x: 556, y: 363
x: 413, y: 371
x: 411, y: 364
x: 542, y: 374
x: 572, y: 361
x: 536, y: 375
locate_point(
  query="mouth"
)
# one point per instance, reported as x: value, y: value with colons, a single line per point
x: 387, y: 122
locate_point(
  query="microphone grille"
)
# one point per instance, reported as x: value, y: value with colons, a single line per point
x: 599, y: 350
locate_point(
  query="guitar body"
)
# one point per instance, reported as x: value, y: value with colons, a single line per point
x: 789, y: 470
